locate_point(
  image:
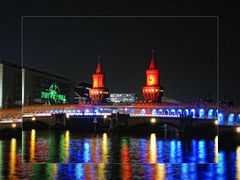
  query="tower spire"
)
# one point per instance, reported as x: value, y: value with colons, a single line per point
x: 99, y: 69
x: 152, y: 64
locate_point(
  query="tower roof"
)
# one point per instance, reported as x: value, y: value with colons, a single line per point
x: 152, y: 64
x: 99, y: 69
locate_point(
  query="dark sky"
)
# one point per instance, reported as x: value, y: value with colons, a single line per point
x: 185, y: 47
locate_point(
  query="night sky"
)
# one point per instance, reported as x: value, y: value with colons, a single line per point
x: 185, y: 48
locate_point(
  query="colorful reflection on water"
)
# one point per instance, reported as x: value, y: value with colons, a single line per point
x: 109, y: 160
x: 67, y: 147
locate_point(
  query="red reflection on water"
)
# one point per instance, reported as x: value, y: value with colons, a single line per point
x: 126, y: 166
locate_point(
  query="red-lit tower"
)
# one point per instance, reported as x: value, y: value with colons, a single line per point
x: 151, y: 90
x: 97, y: 90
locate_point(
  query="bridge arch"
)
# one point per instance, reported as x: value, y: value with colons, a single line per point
x: 186, y: 112
x: 238, y: 119
x: 210, y: 114
x: 96, y: 111
x: 201, y: 113
x: 172, y: 112
x: 160, y: 112
x: 161, y: 124
x: 154, y: 112
x: 193, y: 112
x: 143, y: 112
x: 230, y: 119
x: 86, y: 111
x: 166, y: 112
x: 179, y: 112
x: 35, y: 124
x: 220, y: 118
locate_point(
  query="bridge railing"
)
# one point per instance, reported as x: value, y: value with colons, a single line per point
x: 10, y: 114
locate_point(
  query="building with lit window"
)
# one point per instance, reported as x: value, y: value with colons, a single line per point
x: 123, y: 98
x: 25, y: 86
x: 151, y: 91
x: 81, y: 93
x: 98, y: 93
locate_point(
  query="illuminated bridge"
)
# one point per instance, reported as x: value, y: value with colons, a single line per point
x: 226, y: 115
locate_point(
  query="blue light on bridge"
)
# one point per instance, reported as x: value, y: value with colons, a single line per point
x: 172, y: 112
x: 86, y: 111
x: 220, y: 118
x: 96, y: 111
x: 154, y: 112
x: 179, y: 111
x: 160, y: 112
x: 166, y: 112
x: 143, y: 112
x: 231, y: 119
x: 193, y: 112
x: 186, y: 112
x: 210, y: 114
x: 238, y: 119
x: 201, y: 113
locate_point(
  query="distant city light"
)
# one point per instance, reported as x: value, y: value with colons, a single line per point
x: 33, y: 118
x: 105, y: 116
x: 216, y: 122
x: 14, y: 125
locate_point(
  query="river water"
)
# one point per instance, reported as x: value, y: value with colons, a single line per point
x: 114, y: 156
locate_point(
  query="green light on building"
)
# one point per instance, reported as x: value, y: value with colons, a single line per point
x: 53, y: 94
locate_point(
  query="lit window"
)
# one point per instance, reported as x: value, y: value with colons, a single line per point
x: 150, y: 78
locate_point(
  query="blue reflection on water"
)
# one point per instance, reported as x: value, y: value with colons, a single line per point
x: 221, y: 169
x: 202, y: 153
x: 79, y: 171
x: 179, y: 152
x: 160, y: 151
x: 226, y: 168
x: 86, y: 151
x: 193, y: 156
x: 143, y: 145
x: 172, y: 151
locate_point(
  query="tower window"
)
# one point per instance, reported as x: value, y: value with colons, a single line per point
x: 150, y: 78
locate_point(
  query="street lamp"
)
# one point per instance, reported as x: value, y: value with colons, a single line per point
x: 14, y: 125
x: 153, y: 120
x: 238, y: 129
